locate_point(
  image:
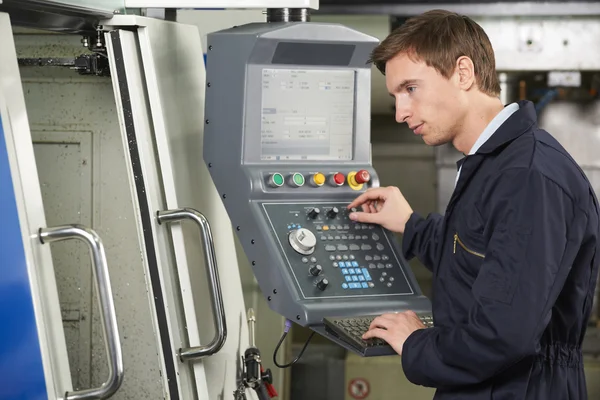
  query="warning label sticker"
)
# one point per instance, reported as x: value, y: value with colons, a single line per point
x: 359, y: 388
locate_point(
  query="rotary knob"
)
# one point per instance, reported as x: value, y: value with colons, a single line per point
x: 322, y: 283
x: 333, y: 212
x: 315, y: 270
x: 303, y: 241
x: 314, y: 213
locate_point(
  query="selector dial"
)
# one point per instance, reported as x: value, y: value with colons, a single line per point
x: 313, y: 213
x: 322, y: 283
x: 303, y: 241
x: 315, y: 270
x: 333, y: 212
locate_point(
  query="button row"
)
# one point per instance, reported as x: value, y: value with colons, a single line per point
x: 317, y: 179
x: 353, y: 247
x: 376, y: 257
x: 344, y: 237
x: 343, y: 264
x: 380, y: 266
x: 341, y: 257
x: 361, y: 271
x: 357, y: 285
x: 332, y: 227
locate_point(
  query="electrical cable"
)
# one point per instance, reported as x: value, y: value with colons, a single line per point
x: 288, y: 325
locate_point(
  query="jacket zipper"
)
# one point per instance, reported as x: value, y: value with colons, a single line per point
x: 457, y: 240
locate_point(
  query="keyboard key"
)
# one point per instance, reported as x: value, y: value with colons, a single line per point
x: 348, y: 278
x: 344, y: 285
x: 366, y: 274
x: 364, y: 285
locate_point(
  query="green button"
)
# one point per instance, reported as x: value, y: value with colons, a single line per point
x: 278, y: 179
x: 299, y: 179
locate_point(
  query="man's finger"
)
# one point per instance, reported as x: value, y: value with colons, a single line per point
x: 381, y: 322
x: 366, y: 217
x: 376, y: 333
x: 370, y: 194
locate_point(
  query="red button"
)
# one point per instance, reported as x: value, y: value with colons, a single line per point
x: 339, y: 178
x: 362, y: 176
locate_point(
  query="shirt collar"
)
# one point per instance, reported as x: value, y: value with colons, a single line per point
x: 493, y: 126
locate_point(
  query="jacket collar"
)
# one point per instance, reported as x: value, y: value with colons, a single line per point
x: 520, y: 122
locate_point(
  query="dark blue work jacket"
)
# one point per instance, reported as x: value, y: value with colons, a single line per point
x: 514, y: 269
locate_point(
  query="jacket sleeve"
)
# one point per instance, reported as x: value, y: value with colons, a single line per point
x: 526, y: 263
x: 421, y: 238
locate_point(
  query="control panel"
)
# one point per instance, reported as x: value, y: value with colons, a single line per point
x: 331, y: 256
x: 287, y: 145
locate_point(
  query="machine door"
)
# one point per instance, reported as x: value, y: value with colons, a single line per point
x: 34, y: 361
x: 159, y: 81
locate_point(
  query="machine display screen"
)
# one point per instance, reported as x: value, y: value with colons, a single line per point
x: 307, y: 114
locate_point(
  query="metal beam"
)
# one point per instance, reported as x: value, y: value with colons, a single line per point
x: 52, y: 15
x: 498, y: 9
x: 220, y: 4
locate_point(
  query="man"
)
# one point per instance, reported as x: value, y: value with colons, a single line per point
x: 514, y: 257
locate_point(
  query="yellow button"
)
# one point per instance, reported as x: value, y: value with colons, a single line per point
x: 319, y: 178
x: 325, y: 227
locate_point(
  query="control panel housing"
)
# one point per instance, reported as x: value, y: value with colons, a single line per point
x: 287, y: 144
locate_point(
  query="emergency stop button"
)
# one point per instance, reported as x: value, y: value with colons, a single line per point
x: 337, y: 179
x: 356, y: 180
x: 362, y: 176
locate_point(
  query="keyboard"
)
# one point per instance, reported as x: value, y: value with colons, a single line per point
x: 351, y: 329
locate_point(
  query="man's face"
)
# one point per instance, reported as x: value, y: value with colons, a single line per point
x: 432, y: 106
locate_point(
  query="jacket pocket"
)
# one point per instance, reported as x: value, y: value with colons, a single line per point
x: 459, y: 242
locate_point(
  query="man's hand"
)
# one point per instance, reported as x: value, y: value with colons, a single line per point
x: 383, y: 206
x: 394, y: 328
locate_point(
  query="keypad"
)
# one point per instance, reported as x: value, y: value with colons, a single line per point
x: 355, y: 258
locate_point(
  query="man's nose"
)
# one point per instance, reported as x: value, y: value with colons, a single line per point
x: 402, y: 112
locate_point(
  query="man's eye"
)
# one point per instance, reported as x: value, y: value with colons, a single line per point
x: 411, y: 89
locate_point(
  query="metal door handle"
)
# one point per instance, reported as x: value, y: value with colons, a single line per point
x: 107, y: 307
x: 194, y: 353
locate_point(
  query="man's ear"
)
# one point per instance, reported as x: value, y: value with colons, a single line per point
x: 466, y: 72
